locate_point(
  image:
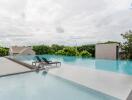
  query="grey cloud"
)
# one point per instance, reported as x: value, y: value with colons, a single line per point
x: 38, y: 21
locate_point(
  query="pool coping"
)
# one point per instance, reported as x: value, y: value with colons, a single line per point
x: 126, y: 97
x: 83, y: 86
x: 32, y: 69
x: 129, y: 96
x: 21, y: 63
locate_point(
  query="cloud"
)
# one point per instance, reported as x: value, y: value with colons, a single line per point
x: 28, y: 22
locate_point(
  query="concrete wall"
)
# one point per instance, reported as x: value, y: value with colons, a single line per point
x: 27, y: 51
x: 106, y: 51
x: 21, y: 51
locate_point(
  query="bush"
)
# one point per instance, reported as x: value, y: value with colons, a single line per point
x: 60, y: 52
x: 42, y: 49
x: 64, y: 50
x: 89, y: 48
x: 68, y: 51
x: 85, y: 54
x: 127, y: 45
x: 4, y: 51
x: 56, y: 47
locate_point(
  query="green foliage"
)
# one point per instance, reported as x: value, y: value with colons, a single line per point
x: 42, y: 49
x: 4, y: 51
x: 56, y: 47
x: 85, y: 54
x: 127, y: 45
x: 60, y: 52
x: 68, y: 51
x: 64, y: 50
x: 89, y: 48
x: 109, y: 42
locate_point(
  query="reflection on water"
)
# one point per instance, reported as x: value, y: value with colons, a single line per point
x: 100, y: 64
x: 107, y: 65
x: 126, y: 67
x: 115, y: 66
x: 69, y: 59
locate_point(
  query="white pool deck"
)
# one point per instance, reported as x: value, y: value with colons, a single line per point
x: 113, y: 84
x: 10, y: 67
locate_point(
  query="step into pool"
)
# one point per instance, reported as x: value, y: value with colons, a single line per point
x: 44, y: 86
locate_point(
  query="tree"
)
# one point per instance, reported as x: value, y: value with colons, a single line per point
x: 42, y: 49
x: 89, y: 48
x: 85, y: 54
x: 127, y: 45
x: 4, y: 51
x: 60, y: 52
x: 56, y: 47
x: 68, y: 51
x: 64, y: 50
x: 110, y: 42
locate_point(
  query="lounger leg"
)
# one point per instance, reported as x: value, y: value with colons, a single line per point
x: 33, y: 63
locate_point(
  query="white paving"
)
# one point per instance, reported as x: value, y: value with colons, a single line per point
x: 10, y: 67
x: 114, y: 84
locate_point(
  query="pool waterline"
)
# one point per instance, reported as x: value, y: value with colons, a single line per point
x: 118, y: 66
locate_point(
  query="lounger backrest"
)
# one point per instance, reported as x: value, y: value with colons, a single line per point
x: 38, y: 59
x: 44, y: 59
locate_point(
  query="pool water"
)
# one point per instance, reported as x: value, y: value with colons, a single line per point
x: 118, y: 66
x: 43, y: 86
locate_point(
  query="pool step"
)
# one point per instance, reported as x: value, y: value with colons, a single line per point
x: 21, y: 63
x: 130, y: 96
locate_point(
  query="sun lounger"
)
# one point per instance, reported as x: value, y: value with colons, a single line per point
x: 50, y: 62
x: 38, y: 60
x: 44, y: 61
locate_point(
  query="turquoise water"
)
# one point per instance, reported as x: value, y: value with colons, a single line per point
x: 118, y: 66
x: 42, y: 86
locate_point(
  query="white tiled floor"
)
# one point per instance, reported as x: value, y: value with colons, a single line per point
x: 114, y: 84
x: 10, y: 67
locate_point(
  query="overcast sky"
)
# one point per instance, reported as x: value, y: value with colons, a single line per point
x: 25, y: 22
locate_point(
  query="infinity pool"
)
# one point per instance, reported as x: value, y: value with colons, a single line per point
x: 43, y: 86
x: 118, y: 66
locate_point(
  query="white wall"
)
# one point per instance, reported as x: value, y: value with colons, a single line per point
x: 106, y: 51
x: 27, y: 51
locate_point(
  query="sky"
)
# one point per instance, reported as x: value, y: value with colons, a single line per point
x: 68, y: 22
